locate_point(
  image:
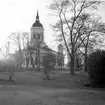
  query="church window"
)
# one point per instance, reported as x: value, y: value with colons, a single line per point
x: 38, y: 36
x: 42, y: 36
x: 34, y: 36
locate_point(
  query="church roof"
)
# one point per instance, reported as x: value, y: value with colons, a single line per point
x: 45, y: 48
x: 37, y: 22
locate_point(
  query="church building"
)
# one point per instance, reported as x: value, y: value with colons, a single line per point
x: 37, y: 47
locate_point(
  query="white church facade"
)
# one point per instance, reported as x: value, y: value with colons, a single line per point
x: 32, y: 55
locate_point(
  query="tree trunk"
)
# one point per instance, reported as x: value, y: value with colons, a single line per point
x: 61, y: 67
x: 32, y: 62
x: 85, y: 63
x: 27, y: 66
x: 47, y: 73
x: 86, y: 46
x: 77, y: 64
x: 38, y: 59
x: 33, y: 66
x: 72, y: 65
x: 27, y: 63
x: 11, y: 73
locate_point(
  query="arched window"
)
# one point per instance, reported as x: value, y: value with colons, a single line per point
x: 34, y: 36
x: 38, y: 36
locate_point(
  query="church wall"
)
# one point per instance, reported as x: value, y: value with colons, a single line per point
x: 37, y: 36
x: 41, y: 58
x: 42, y: 52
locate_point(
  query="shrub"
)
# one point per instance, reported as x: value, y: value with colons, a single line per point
x: 96, y: 67
x: 49, y: 62
x: 9, y: 66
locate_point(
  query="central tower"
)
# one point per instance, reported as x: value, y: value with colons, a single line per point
x: 37, y: 32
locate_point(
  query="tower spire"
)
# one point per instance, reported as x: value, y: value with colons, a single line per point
x: 37, y: 16
x: 37, y: 21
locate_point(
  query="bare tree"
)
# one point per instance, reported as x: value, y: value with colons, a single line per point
x: 7, y: 49
x: 16, y: 40
x: 94, y: 28
x: 9, y: 63
x: 49, y: 62
x: 68, y: 12
x: 26, y: 48
x: 38, y: 47
x: 25, y: 39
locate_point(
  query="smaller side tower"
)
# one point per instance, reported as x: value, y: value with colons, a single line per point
x: 60, y: 49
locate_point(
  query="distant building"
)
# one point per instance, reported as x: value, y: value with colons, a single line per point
x: 37, y: 47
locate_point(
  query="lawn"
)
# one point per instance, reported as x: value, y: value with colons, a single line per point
x: 31, y: 89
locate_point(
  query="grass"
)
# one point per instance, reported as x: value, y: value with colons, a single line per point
x: 31, y: 89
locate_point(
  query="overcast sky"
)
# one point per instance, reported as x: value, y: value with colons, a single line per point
x: 19, y: 15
